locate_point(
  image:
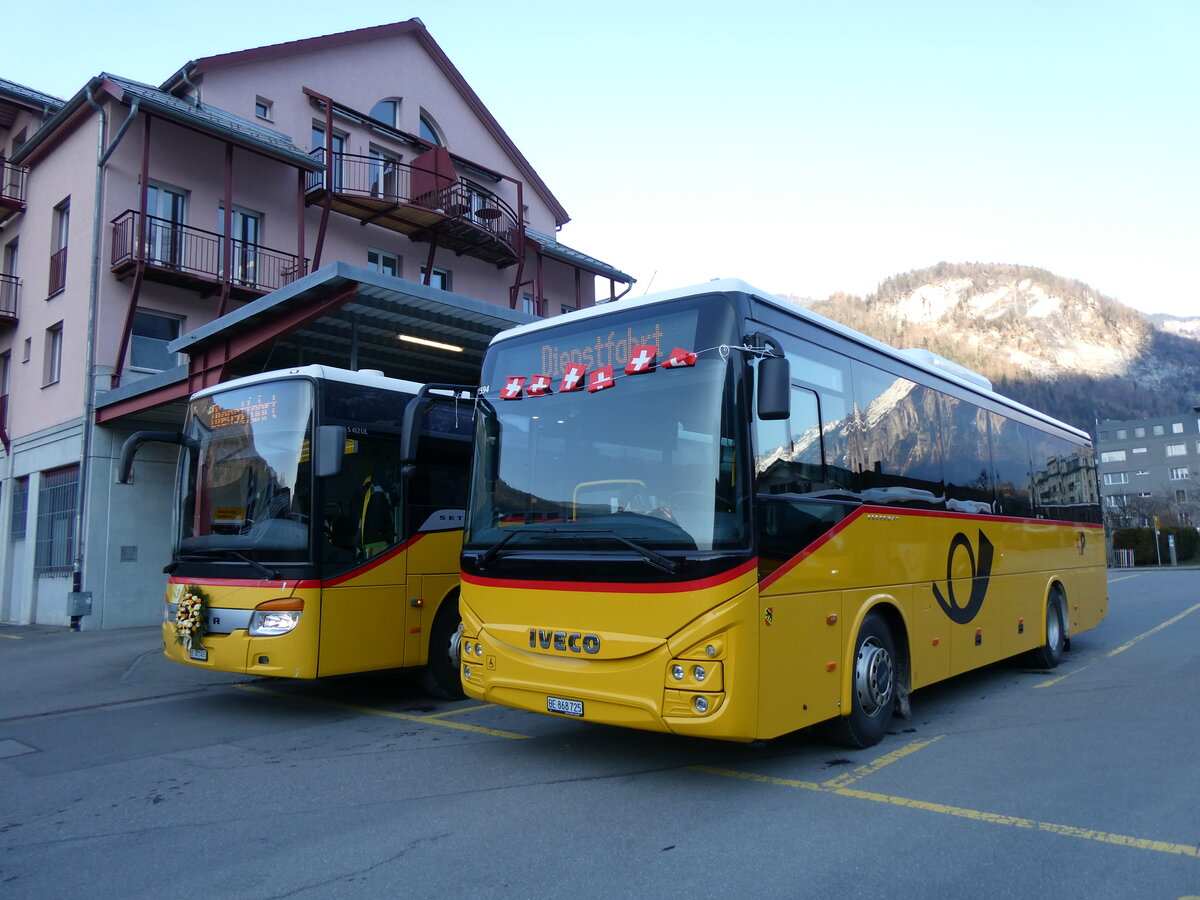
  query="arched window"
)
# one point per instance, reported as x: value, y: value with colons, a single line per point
x: 387, y: 111
x: 430, y: 131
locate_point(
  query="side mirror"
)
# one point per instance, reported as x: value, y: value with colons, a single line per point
x: 328, y: 450
x: 774, y: 388
x: 130, y: 448
x: 410, y: 436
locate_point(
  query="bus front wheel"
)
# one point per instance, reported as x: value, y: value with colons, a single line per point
x: 873, y: 695
x: 440, y: 676
x: 1050, y: 653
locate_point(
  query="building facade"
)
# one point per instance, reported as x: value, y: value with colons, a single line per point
x: 1149, y: 468
x: 309, y: 202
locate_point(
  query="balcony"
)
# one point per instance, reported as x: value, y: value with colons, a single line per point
x: 12, y: 189
x: 10, y: 287
x: 422, y: 199
x: 192, y: 257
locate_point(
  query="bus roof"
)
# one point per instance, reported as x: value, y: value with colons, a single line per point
x: 365, y: 377
x: 926, y: 362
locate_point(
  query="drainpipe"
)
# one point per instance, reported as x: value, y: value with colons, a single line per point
x: 89, y: 387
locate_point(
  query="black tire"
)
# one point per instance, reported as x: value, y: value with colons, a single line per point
x: 1050, y: 653
x: 874, y: 696
x: 440, y: 676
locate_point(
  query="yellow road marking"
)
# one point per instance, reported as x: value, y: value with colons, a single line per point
x: 862, y: 771
x: 1123, y: 578
x: 457, y: 710
x: 1090, y: 834
x: 11, y: 637
x: 1111, y: 653
x: 370, y: 711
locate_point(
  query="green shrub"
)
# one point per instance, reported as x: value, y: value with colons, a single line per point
x: 1141, y: 542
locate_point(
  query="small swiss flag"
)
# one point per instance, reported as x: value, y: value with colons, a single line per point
x: 600, y: 379
x: 539, y: 386
x: 572, y: 379
x: 512, y: 388
x: 680, y: 358
x: 641, y: 360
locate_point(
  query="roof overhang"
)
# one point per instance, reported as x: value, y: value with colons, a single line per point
x: 340, y: 315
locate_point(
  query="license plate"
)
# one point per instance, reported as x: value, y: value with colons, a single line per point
x: 198, y: 654
x: 566, y: 707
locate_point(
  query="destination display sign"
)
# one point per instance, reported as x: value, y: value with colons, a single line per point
x: 236, y: 410
x: 596, y: 344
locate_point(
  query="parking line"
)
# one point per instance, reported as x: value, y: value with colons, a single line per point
x: 457, y: 710
x: 1111, y: 653
x: 849, y: 778
x: 370, y: 711
x: 1104, y: 837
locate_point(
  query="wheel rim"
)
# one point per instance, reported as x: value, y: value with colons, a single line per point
x: 873, y: 682
x: 1053, y: 625
x: 454, y: 648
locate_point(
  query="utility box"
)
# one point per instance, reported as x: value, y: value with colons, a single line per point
x: 79, y: 603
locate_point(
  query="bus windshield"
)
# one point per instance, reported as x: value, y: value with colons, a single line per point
x: 245, y: 485
x: 650, y: 464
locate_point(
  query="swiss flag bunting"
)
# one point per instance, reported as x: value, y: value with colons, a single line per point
x: 642, y: 359
x: 600, y: 379
x: 572, y: 379
x: 679, y: 358
x: 512, y: 388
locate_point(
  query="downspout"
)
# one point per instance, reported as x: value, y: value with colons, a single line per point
x: 89, y: 388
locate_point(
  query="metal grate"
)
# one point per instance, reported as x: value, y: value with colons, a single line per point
x: 57, y: 499
x: 20, y: 509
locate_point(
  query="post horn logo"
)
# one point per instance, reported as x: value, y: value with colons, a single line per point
x: 979, y: 579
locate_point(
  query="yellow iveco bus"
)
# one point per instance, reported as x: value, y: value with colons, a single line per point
x: 319, y: 516
x: 714, y: 513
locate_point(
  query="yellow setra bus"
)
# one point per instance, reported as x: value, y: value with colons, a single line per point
x: 714, y: 513
x: 319, y: 520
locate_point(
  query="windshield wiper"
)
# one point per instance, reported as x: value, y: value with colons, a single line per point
x: 192, y: 556
x: 651, y: 557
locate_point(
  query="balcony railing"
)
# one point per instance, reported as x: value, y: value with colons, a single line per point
x: 58, y: 271
x: 12, y: 189
x: 182, y: 254
x: 10, y: 287
x: 419, y: 203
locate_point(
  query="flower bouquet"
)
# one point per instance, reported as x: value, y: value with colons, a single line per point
x: 191, y: 618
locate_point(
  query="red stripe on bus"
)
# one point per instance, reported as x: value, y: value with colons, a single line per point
x: 897, y: 511
x: 625, y: 587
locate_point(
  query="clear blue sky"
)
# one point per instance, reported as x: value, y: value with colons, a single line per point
x: 807, y: 147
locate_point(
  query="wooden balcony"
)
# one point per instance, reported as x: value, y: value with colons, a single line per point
x: 12, y: 189
x: 192, y: 258
x: 10, y: 287
x: 424, y: 200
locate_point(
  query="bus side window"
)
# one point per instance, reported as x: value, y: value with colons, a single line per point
x: 899, y: 441
x: 1010, y: 459
x: 966, y: 457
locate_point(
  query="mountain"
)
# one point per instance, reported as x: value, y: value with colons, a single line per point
x: 1050, y: 342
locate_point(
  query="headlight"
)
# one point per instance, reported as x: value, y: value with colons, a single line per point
x: 677, y: 672
x: 701, y: 704
x: 698, y: 673
x: 266, y: 622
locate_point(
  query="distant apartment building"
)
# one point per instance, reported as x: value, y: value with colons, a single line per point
x: 1150, y: 467
x: 346, y: 200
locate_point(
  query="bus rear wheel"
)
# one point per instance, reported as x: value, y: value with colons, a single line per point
x: 874, y: 689
x: 440, y: 676
x: 1050, y: 654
